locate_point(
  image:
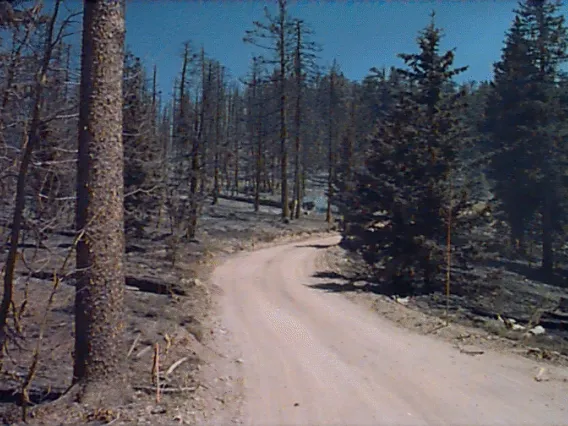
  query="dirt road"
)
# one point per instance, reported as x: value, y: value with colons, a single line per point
x: 311, y: 357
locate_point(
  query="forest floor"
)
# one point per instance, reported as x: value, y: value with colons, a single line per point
x: 166, y: 304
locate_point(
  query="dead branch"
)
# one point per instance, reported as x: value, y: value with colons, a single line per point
x: 133, y: 345
x: 156, y: 371
x: 143, y: 351
x: 176, y: 365
x: 167, y: 390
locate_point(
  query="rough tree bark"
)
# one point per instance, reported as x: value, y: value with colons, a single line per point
x: 99, y: 345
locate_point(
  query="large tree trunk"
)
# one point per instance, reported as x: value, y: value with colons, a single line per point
x: 233, y: 132
x: 205, y: 126
x: 350, y: 142
x: 99, y: 324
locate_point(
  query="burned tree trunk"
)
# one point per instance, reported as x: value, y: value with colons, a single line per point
x: 99, y: 324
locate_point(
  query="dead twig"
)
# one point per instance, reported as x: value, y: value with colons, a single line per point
x: 167, y: 338
x: 156, y: 371
x: 438, y: 327
x: 115, y: 420
x: 167, y: 390
x: 176, y: 365
x: 143, y: 351
x: 133, y: 346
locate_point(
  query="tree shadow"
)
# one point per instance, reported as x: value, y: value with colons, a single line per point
x: 316, y: 246
x: 338, y: 287
x: 344, y: 283
x: 331, y: 275
x: 340, y: 283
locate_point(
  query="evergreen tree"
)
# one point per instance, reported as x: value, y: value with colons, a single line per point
x: 399, y: 215
x: 526, y: 120
x: 507, y: 108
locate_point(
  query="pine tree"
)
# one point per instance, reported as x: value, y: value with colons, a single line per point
x: 511, y: 161
x: 526, y: 118
x: 369, y: 104
x: 545, y: 27
x: 403, y: 195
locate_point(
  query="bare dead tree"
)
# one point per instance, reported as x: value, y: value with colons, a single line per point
x: 331, y: 142
x: 304, y: 67
x: 277, y: 30
x: 32, y: 140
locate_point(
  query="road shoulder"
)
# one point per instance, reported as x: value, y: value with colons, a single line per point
x: 402, y: 312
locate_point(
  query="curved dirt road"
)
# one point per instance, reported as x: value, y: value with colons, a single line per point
x: 311, y: 357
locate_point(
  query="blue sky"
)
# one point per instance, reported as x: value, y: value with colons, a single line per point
x: 358, y: 34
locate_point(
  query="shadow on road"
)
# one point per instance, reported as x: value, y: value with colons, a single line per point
x: 316, y: 246
x: 342, y: 283
x: 338, y: 287
x: 331, y: 275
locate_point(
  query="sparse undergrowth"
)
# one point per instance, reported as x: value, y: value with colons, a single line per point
x: 168, y: 312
